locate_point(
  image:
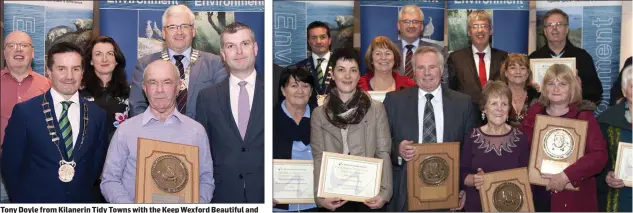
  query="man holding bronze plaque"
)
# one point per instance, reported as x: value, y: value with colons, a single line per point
x: 428, y: 113
x: 561, y: 98
x: 160, y: 121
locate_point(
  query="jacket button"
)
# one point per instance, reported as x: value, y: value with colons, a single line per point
x: 241, y: 176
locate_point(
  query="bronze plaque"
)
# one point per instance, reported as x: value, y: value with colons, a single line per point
x: 508, y: 197
x: 506, y: 191
x: 434, y: 170
x: 169, y: 173
x: 558, y: 143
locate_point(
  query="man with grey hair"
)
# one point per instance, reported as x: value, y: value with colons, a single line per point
x: 556, y: 30
x: 197, y: 69
x: 470, y: 68
x: 160, y: 121
x: 440, y: 115
x: 410, y: 30
x: 235, y: 120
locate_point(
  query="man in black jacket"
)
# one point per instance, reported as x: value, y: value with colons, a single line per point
x: 556, y: 29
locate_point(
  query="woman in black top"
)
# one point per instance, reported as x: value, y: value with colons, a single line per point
x: 104, y: 80
x: 515, y: 72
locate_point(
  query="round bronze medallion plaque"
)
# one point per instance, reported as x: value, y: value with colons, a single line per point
x: 508, y: 197
x: 434, y: 170
x: 558, y: 143
x: 169, y: 174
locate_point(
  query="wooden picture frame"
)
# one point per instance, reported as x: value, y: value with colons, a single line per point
x: 337, y: 170
x: 441, y: 162
x: 300, y: 170
x: 624, y: 162
x: 503, y: 184
x: 539, y: 66
x: 161, y: 159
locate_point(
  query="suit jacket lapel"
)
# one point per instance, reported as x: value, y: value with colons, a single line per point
x: 448, y: 116
x: 495, y: 63
x: 473, y: 65
x: 81, y: 144
x: 58, y: 132
x: 411, y: 110
x: 224, y: 95
x: 194, y: 72
x: 257, y: 112
x: 334, y: 131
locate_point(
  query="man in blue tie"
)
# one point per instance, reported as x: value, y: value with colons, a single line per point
x: 55, y: 143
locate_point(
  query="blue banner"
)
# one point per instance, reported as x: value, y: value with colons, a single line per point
x: 290, y: 22
x: 380, y: 18
x: 510, y: 20
x: 597, y: 29
x: 142, y: 37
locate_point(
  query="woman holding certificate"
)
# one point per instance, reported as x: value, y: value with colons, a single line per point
x: 382, y: 67
x: 351, y: 123
x: 291, y: 126
x: 492, y: 147
x: 615, y: 124
x: 515, y: 72
x: 561, y: 97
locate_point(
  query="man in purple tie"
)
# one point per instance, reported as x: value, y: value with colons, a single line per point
x: 232, y: 112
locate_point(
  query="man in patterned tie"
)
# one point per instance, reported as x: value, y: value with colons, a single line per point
x: 198, y: 69
x: 470, y: 68
x: 55, y: 143
x: 319, y: 44
x: 410, y: 30
x: 235, y: 120
x: 428, y: 113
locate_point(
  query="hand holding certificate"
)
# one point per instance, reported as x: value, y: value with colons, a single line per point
x: 349, y: 177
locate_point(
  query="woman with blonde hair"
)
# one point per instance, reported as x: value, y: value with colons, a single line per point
x: 383, y: 60
x: 561, y: 97
x: 515, y: 72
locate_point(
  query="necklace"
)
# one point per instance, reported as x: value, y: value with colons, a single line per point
x: 194, y: 57
x: 66, y: 170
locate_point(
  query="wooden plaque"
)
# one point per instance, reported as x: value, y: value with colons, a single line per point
x: 506, y: 191
x: 167, y: 172
x: 432, y: 177
x: 624, y: 163
x: 556, y: 144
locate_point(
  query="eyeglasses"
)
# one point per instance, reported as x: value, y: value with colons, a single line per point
x: 16, y: 45
x: 409, y: 21
x: 480, y: 26
x: 174, y: 28
x: 555, y: 25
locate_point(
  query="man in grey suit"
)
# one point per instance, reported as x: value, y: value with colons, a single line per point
x: 440, y: 115
x: 197, y: 69
x: 410, y: 32
x: 235, y: 120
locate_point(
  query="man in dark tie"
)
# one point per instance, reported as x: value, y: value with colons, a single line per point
x: 428, y: 113
x: 319, y: 43
x: 198, y: 69
x: 234, y: 120
x: 470, y: 68
x: 410, y: 31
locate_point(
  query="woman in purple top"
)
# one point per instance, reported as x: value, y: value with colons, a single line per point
x: 492, y: 147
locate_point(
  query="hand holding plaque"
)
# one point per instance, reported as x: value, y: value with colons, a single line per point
x: 506, y: 191
x: 432, y: 177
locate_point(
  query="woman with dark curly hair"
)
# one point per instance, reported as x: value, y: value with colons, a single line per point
x: 104, y: 80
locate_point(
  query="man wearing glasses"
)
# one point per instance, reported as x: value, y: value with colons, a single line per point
x: 410, y: 28
x: 558, y: 45
x: 469, y: 69
x: 18, y: 83
x: 197, y: 69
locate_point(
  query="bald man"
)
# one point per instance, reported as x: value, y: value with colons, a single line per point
x: 160, y: 121
x: 18, y: 82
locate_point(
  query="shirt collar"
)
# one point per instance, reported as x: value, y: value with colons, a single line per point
x: 326, y: 56
x: 554, y: 55
x: 149, y: 116
x: 436, y: 93
x: 415, y: 44
x: 233, y: 81
x: 486, y: 50
x: 58, y: 98
x: 306, y: 114
x: 5, y: 71
x: 186, y: 53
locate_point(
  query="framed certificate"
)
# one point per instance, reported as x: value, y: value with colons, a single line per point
x: 378, y: 95
x: 293, y: 181
x: 349, y: 177
x: 539, y: 67
x: 506, y: 191
x: 624, y: 163
x: 556, y: 144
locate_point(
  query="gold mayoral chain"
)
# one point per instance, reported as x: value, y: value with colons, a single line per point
x: 66, y: 170
x: 194, y: 57
x: 328, y: 72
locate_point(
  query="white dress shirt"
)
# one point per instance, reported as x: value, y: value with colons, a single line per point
x: 73, y: 112
x: 438, y: 111
x: 234, y: 90
x: 185, y: 61
x: 315, y: 61
x: 486, y: 60
x: 415, y: 44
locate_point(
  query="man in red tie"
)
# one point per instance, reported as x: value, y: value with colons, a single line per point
x: 469, y: 69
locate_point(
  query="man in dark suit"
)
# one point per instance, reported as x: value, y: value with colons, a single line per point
x: 235, y: 120
x: 410, y: 33
x: 198, y: 69
x: 428, y: 113
x: 55, y: 143
x: 556, y: 30
x: 319, y: 44
x: 470, y: 68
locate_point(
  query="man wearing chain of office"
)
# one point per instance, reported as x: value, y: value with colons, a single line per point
x: 319, y: 44
x: 55, y: 144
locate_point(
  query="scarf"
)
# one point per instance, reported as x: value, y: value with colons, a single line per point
x: 341, y: 114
